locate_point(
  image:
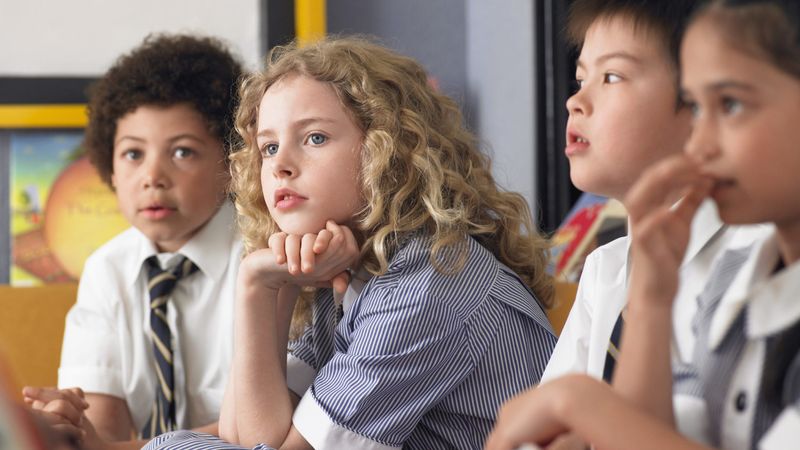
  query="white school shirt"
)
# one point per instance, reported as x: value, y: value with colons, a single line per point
x: 772, y: 306
x: 602, y: 294
x: 106, y: 347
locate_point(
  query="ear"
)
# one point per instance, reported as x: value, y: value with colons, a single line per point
x: 113, y: 181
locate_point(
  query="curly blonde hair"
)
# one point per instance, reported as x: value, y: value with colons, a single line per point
x: 421, y: 169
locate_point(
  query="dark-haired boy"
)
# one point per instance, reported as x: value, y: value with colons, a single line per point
x: 626, y: 116
x: 159, y: 122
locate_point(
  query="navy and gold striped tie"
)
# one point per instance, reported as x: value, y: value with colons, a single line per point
x: 612, y: 353
x: 160, y: 285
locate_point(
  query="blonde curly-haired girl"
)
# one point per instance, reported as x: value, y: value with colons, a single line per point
x: 353, y: 173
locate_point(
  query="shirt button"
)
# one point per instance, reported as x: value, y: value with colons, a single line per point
x: 741, y: 401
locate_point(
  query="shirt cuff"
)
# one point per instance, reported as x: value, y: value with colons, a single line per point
x: 322, y: 433
x: 783, y: 433
x: 691, y: 418
x: 92, y: 380
x: 299, y: 375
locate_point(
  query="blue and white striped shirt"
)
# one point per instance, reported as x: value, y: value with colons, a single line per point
x: 420, y: 359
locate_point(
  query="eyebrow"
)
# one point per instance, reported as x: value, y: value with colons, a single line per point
x: 613, y: 55
x: 300, y: 124
x: 729, y: 84
x: 171, y: 140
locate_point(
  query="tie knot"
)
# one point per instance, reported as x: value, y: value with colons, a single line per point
x: 183, y: 268
x: 160, y: 283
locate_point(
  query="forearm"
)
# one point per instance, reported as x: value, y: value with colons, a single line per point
x: 262, y: 404
x: 644, y: 374
x: 227, y: 414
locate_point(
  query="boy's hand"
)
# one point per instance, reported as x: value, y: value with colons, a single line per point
x: 63, y: 409
x: 660, y: 229
x: 69, y: 404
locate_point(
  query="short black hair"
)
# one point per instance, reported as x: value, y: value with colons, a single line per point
x: 666, y: 18
x: 164, y: 70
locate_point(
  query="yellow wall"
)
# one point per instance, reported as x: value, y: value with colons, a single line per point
x: 31, y: 330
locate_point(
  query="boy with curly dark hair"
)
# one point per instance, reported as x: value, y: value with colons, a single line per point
x: 149, y: 340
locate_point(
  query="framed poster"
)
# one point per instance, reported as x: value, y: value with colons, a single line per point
x: 58, y: 211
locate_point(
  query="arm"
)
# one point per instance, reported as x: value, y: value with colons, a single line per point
x: 587, y: 407
x: 266, y: 291
x: 660, y: 234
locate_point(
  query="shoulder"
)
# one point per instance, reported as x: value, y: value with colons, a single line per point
x: 120, y: 248
x: 413, y: 279
x: 606, y: 263
x: 412, y: 267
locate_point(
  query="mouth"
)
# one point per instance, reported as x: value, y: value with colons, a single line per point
x: 576, y: 142
x: 157, y: 211
x: 284, y: 198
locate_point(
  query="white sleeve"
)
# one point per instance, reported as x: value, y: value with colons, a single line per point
x: 90, y: 354
x: 571, y: 353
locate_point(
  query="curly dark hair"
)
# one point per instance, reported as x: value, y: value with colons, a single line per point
x: 164, y: 70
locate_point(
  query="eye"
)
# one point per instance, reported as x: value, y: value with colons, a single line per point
x: 731, y: 105
x: 183, y: 152
x: 132, y: 154
x: 694, y: 108
x: 611, y: 78
x: 269, y: 150
x: 317, y: 139
x: 577, y: 84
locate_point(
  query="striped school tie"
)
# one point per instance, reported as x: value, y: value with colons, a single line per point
x: 160, y: 285
x: 612, y: 353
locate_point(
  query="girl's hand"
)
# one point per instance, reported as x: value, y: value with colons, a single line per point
x: 660, y: 229
x: 320, y: 259
x: 536, y: 415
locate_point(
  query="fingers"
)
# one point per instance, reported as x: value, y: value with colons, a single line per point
x: 307, y: 252
x: 65, y: 410
x: 340, y: 282
x: 277, y: 245
x: 660, y: 186
x: 292, y: 244
x: 323, y: 240
x: 36, y: 396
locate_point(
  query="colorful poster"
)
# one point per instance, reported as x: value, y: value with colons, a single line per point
x: 60, y: 209
x: 584, y: 229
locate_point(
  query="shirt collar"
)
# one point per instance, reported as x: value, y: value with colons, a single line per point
x: 705, y: 225
x: 209, y: 249
x: 771, y: 300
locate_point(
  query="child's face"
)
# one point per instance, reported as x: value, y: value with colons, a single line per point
x: 169, y: 173
x: 623, y: 118
x: 745, y: 129
x: 311, y: 156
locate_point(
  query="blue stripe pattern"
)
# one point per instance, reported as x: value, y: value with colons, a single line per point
x: 421, y: 360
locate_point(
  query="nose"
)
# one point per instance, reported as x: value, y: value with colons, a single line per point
x: 579, y: 103
x: 154, y: 173
x: 703, y: 143
x: 284, y: 164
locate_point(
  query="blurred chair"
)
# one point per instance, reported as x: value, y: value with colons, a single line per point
x: 31, y: 331
x: 565, y: 296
